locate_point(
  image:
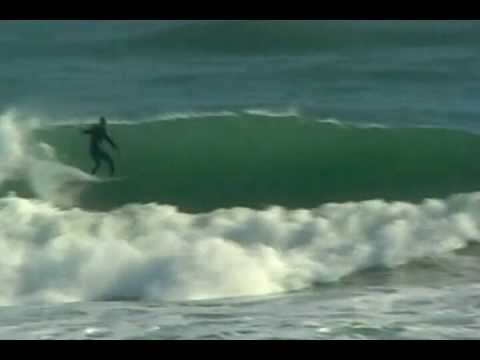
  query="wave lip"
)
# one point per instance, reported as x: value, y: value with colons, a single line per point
x: 291, y: 112
x: 232, y: 158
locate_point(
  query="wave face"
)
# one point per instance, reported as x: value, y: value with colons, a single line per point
x: 255, y: 161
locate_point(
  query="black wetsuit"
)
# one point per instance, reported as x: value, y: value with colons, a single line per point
x: 98, y: 134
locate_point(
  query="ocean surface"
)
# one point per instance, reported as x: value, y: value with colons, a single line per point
x: 275, y: 180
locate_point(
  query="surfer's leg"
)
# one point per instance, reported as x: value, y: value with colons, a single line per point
x: 109, y: 161
x: 96, y: 160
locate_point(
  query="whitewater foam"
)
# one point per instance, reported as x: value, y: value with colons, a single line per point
x: 154, y: 252
x: 36, y: 162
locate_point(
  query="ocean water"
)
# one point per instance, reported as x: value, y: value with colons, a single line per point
x: 275, y: 180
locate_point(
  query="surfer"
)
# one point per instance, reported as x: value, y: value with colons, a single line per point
x: 98, y: 133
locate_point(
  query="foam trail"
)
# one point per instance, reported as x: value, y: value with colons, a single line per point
x: 152, y: 252
x: 12, y: 143
x: 58, y: 183
x: 21, y: 158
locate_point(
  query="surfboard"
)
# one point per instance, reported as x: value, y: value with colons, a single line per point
x: 112, y: 179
